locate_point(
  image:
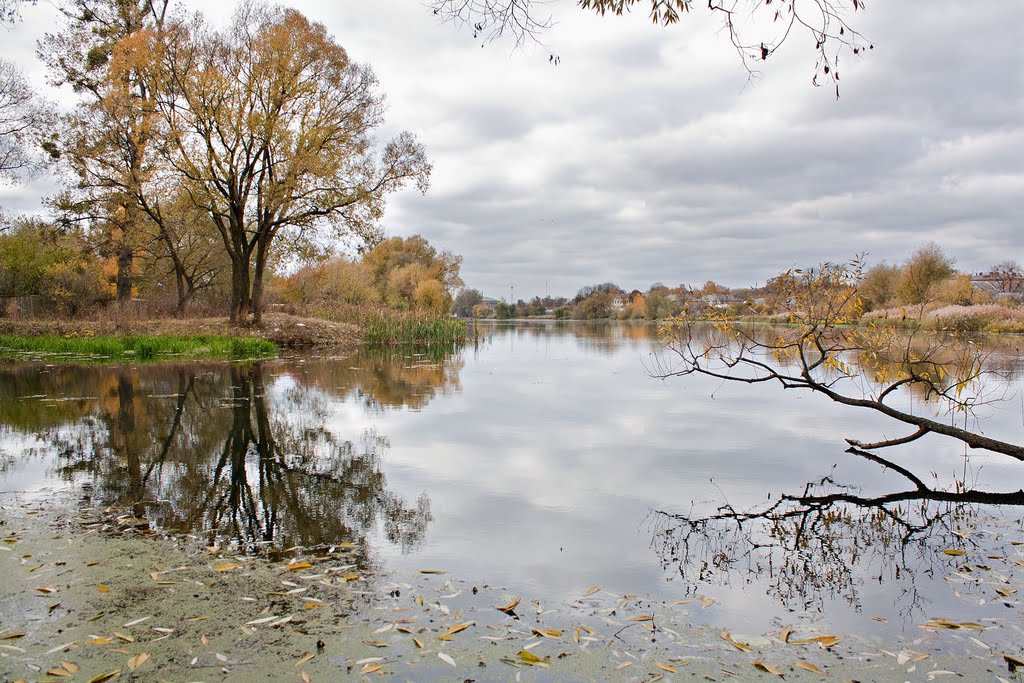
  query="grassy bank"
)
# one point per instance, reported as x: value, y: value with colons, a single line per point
x: 135, y: 347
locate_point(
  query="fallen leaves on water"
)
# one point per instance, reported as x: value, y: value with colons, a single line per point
x: 935, y: 624
x: 1006, y: 592
x: 590, y: 591
x: 446, y: 658
x: 432, y: 571
x: 296, y: 566
x: 305, y: 677
x: 509, y: 608
x: 623, y: 665
x: 226, y: 566
x: 742, y: 647
x: 103, y: 678
x: 305, y: 658
x: 1014, y: 662
x: 666, y: 667
x: 532, y: 659
x: 955, y: 552
x: 138, y: 660
x: 552, y: 633
x: 417, y: 642
x: 103, y: 589
x: 825, y: 642
x: 13, y: 636
x: 375, y: 643
x: 761, y: 666
x: 646, y: 617
x: 807, y: 666
x: 45, y: 590
x: 371, y: 668
x: 458, y: 628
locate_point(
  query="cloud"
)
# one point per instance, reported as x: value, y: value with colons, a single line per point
x: 646, y: 155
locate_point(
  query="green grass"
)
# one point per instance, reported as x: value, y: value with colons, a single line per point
x: 135, y: 347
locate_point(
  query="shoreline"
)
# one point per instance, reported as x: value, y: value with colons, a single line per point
x: 101, y: 591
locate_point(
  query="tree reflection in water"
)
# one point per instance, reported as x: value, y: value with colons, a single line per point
x: 216, y: 449
x: 824, y: 542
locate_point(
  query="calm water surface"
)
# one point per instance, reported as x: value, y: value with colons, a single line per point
x: 544, y: 459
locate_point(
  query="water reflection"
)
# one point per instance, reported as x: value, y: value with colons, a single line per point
x: 829, y: 540
x: 219, y: 449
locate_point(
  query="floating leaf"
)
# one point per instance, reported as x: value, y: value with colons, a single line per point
x: 1014, y: 662
x: 371, y: 668
x: 226, y: 566
x: 643, y: 618
x: 417, y: 642
x: 590, y: 591
x: 446, y: 658
x: 58, y: 672
x: 45, y: 590
x: 305, y: 677
x: 103, y: 678
x: 706, y: 602
x: 13, y: 636
x: 666, y: 667
x: 137, y: 661
x: 458, y: 628
x: 547, y: 633
x: 955, y: 552
x: 125, y: 637
x: 623, y: 665
x: 761, y: 666
x: 305, y: 658
x: 785, y: 634
x: 531, y: 659
x: 375, y: 643
x: 432, y: 571
x: 1006, y: 592
x: 73, y: 668
x: 299, y: 565
x: 807, y: 666
x: 510, y: 607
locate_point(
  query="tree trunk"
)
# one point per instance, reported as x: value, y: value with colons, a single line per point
x: 124, y: 273
x: 262, y: 248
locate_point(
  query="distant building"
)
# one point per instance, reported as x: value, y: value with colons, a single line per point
x: 489, y: 303
x: 999, y: 284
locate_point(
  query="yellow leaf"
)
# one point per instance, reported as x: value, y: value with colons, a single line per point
x: 643, y: 618
x: 1006, y: 592
x: 807, y: 666
x: 828, y: 641
x: 666, y: 667
x: 417, y: 642
x: 761, y: 666
x: 103, y: 589
x: 73, y: 668
x: 226, y: 566
x: 138, y: 660
x: 350, y: 577
x: 45, y: 590
x: 306, y: 678
x: 786, y: 633
x: 591, y: 591
x: 623, y: 665
x: 13, y: 636
x: 58, y: 672
x: 299, y: 565
x: 509, y: 607
x: 101, y: 641
x: 706, y: 602
x: 432, y: 571
x: 125, y: 637
x: 456, y: 629
x: 103, y: 678
x: 371, y: 668
x: 375, y: 643
x: 531, y: 658
x: 547, y: 633
x: 305, y: 658
x: 954, y: 552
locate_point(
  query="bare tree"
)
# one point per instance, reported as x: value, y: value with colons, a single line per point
x: 869, y: 366
x: 21, y: 118
x: 773, y: 24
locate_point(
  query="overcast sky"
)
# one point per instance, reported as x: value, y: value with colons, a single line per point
x: 644, y: 156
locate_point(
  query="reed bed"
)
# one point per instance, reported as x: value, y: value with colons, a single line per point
x: 136, y: 347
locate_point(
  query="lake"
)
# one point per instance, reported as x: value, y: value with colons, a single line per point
x: 543, y: 458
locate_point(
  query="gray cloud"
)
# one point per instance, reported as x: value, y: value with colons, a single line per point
x: 645, y: 154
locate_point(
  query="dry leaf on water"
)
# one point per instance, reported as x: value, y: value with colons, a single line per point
x: 807, y: 666
x: 137, y: 661
x: 591, y: 591
x: 510, y: 607
x: 299, y: 565
x: 225, y: 566
x: 458, y: 628
x: 666, y: 667
x: 761, y: 666
x: 103, y: 678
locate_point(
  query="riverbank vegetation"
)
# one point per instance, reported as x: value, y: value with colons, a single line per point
x: 135, y: 347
